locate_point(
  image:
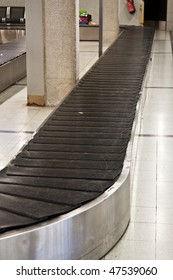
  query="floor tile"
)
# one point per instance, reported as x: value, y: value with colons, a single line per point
x: 165, y: 193
x: 143, y: 198
x: 161, y: 71
x: 85, y: 59
x: 143, y: 214
x: 147, y: 143
x: 145, y: 165
x: 164, y: 233
x: 162, y: 35
x: 140, y: 232
x: 165, y: 144
x: 144, y: 186
x: 165, y: 215
x: 146, y: 155
x: 162, y: 47
x: 164, y: 250
x: 132, y: 250
x: 145, y: 175
x: 165, y: 176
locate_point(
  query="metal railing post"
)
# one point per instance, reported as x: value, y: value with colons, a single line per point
x: 100, y: 27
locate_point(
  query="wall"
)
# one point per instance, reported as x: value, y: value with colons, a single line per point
x: 125, y: 18
x: 92, y: 8
x: 110, y: 17
x: 110, y: 21
x: 9, y: 3
x: 170, y: 15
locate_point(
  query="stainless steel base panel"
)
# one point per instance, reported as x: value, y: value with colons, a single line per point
x: 86, y: 233
x: 12, y: 71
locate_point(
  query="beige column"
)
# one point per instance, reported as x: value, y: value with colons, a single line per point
x: 169, y: 26
x: 110, y: 21
x: 52, y: 49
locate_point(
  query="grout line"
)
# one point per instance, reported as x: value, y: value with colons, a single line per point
x: 159, y: 87
x: 161, y: 53
x: 157, y: 52
x: 88, y: 51
x: 16, y: 132
x: 162, y: 40
x: 20, y: 84
x: 156, y: 198
x: 171, y: 39
x: 154, y: 135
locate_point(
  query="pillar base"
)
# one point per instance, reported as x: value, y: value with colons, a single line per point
x: 36, y: 100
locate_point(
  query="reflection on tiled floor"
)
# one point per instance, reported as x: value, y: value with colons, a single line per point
x: 17, y: 124
x: 150, y: 232
x: 88, y: 55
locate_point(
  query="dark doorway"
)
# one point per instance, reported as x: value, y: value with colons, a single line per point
x: 155, y: 11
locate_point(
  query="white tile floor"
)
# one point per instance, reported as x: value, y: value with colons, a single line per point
x: 88, y: 56
x: 150, y: 232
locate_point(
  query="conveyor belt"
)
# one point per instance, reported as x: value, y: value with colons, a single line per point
x: 12, y: 62
x: 79, y: 151
x: 12, y: 50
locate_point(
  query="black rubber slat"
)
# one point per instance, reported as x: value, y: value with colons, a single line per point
x: 96, y: 114
x: 79, y: 141
x: 72, y: 156
x: 87, y: 130
x: 8, y: 220
x: 77, y: 148
x: 64, y: 173
x: 98, y: 120
x: 30, y: 208
x: 114, y: 96
x: 55, y: 196
x: 82, y: 185
x: 77, y: 164
x: 84, y: 123
x: 81, y: 109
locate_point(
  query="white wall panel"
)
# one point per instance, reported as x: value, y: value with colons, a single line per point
x: 12, y: 3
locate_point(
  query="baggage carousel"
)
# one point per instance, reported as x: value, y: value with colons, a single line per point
x: 66, y: 195
x: 12, y: 57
